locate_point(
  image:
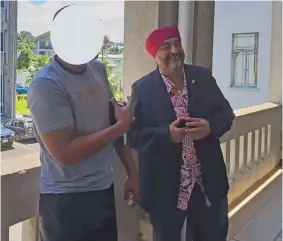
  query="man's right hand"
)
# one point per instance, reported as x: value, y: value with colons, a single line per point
x: 123, y: 115
x: 177, y: 134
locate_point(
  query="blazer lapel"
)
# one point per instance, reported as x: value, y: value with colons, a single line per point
x: 162, y: 97
x: 190, y: 79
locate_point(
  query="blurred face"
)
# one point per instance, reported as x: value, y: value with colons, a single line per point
x: 171, y: 54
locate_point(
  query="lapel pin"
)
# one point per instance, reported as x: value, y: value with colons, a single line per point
x: 193, y: 81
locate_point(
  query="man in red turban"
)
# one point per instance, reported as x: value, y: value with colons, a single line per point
x: 180, y: 114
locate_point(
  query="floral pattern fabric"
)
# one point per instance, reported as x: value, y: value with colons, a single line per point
x: 190, y: 168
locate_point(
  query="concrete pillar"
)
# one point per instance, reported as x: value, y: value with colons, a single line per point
x: 10, y: 77
x: 168, y: 13
x: 275, y: 85
x: 203, y: 33
x: 186, y: 28
x: 141, y: 17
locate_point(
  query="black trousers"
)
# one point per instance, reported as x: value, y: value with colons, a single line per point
x: 203, y: 223
x: 87, y: 216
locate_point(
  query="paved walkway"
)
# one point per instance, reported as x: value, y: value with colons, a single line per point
x: 261, y: 218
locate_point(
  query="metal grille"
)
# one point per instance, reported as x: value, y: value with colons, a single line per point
x: 244, y: 64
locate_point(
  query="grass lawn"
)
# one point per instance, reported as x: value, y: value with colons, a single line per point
x: 22, y: 107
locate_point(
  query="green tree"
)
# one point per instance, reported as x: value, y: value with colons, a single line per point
x: 27, y: 36
x: 114, y: 81
x: 26, y: 55
x: 105, y: 46
x: 115, y: 50
x: 38, y: 62
x: 25, y: 47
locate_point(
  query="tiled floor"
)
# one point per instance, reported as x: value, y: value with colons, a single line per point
x: 261, y: 218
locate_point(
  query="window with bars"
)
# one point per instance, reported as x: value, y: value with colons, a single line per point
x: 3, y: 41
x: 2, y: 93
x: 244, y: 65
x: 4, y: 7
x: 3, y: 4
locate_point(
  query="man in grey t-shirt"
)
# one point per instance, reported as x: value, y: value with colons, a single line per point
x: 72, y: 117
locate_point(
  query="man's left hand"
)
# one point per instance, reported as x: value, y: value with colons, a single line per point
x: 197, y: 128
x: 131, y: 188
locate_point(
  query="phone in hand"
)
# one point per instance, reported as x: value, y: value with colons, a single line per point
x: 182, y: 123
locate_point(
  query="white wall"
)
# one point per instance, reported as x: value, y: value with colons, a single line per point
x: 242, y: 17
x: 21, y: 78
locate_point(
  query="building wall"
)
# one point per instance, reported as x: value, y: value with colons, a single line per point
x: 8, y: 63
x: 242, y: 17
x: 48, y: 50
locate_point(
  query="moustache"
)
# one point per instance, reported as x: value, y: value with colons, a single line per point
x: 175, y: 56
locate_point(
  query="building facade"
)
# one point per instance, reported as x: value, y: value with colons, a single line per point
x: 43, y: 45
x: 8, y: 56
x: 242, y: 51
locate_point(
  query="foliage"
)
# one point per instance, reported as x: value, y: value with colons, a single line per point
x: 106, y: 42
x: 114, y: 81
x: 22, y: 105
x: 27, y: 36
x: 37, y: 63
x: 105, y: 46
x: 22, y: 97
x: 28, y: 61
x: 25, y: 48
x: 115, y: 50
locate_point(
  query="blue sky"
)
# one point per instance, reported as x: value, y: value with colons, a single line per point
x: 36, y: 16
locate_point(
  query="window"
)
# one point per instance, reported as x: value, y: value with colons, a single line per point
x: 3, y: 42
x: 244, y: 66
x: 3, y: 4
x: 21, y: 124
x: 2, y: 94
x: 42, y: 52
x: 15, y: 123
x: 48, y: 44
x: 4, y: 7
x: 117, y: 61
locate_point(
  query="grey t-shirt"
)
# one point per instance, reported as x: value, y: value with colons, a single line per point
x: 57, y: 99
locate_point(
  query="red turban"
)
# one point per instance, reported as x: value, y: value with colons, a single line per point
x: 158, y: 36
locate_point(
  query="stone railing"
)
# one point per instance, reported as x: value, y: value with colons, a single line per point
x: 251, y: 150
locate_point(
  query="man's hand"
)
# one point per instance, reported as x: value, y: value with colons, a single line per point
x: 131, y: 190
x: 123, y: 114
x: 177, y: 134
x: 197, y: 128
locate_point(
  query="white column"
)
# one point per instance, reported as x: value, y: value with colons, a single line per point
x: 275, y: 81
x: 203, y: 33
x: 141, y: 17
x: 186, y: 28
x: 196, y: 22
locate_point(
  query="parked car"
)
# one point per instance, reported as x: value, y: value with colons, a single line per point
x: 21, y: 90
x: 7, y: 137
x: 23, y: 128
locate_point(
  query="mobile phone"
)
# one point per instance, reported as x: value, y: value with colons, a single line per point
x: 182, y: 123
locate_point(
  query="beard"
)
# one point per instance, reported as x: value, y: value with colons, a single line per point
x: 175, y: 60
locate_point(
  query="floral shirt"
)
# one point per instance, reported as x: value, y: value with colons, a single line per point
x: 190, y: 168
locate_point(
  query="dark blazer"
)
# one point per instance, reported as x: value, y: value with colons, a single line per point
x: 160, y: 158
